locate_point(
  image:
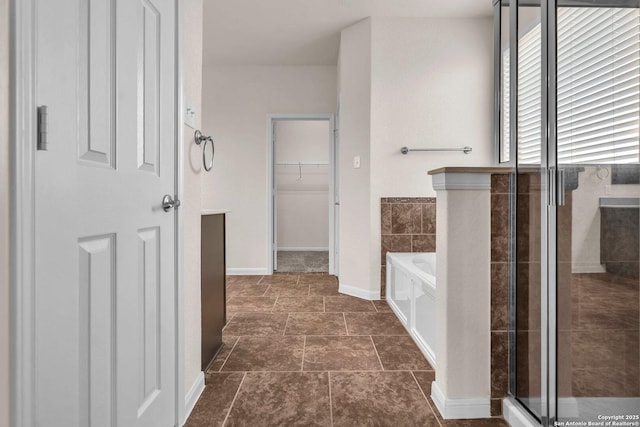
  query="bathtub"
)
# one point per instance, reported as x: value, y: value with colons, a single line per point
x: 411, y: 294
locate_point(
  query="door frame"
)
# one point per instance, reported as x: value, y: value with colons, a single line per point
x: 22, y: 131
x: 271, y: 193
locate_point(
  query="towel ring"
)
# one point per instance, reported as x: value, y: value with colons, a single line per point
x: 200, y: 138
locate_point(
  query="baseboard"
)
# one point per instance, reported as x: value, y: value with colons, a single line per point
x: 516, y: 416
x: 460, y: 409
x: 303, y: 248
x: 587, y: 268
x: 194, y: 394
x: 247, y: 271
x: 358, y: 292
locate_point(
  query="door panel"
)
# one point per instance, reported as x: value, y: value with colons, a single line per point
x: 105, y: 248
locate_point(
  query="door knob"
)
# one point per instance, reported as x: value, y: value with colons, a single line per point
x: 168, y: 203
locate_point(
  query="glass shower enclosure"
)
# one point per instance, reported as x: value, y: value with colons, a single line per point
x: 568, y: 122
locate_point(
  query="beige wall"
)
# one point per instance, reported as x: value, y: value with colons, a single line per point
x: 192, y: 86
x: 355, y: 127
x: 440, y: 72
x: 303, y: 192
x: 416, y: 82
x: 236, y: 102
x: 4, y: 213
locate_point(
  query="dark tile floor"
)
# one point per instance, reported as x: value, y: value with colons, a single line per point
x: 297, y: 352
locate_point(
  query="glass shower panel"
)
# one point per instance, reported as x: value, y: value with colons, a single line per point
x: 597, y: 253
x: 529, y: 222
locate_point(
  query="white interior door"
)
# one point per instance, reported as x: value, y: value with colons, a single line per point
x: 105, y: 255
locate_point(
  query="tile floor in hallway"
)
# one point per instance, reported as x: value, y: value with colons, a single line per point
x: 297, y: 352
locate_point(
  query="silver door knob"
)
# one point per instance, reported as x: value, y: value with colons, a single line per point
x: 168, y: 203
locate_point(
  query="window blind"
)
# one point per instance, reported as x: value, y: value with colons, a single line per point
x: 598, y: 98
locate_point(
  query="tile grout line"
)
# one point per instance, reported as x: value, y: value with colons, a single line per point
x: 425, y: 398
x: 304, y: 347
x: 228, y: 355
x: 345, y: 323
x: 330, y: 400
x: 274, y: 304
x: 284, y: 331
x: 324, y: 305
x: 235, y: 396
x: 377, y: 355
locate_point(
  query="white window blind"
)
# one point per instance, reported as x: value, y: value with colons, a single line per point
x: 598, y: 88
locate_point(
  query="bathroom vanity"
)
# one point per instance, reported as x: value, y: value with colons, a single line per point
x: 213, y: 278
x: 620, y: 235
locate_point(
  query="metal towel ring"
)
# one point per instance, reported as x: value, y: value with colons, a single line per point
x: 200, y: 138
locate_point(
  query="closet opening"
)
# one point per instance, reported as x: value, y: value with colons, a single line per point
x: 303, y: 199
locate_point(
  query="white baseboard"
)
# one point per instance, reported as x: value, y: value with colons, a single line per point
x: 303, y: 248
x: 247, y: 271
x: 193, y: 395
x: 587, y: 268
x: 358, y: 292
x: 460, y: 409
x: 517, y: 416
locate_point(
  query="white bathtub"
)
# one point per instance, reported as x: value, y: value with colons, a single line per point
x: 411, y: 293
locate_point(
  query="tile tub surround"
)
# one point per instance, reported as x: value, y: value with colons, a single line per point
x: 499, y: 290
x: 320, y: 367
x: 408, y: 224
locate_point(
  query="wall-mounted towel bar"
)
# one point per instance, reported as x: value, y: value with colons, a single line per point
x: 203, y: 139
x: 465, y: 150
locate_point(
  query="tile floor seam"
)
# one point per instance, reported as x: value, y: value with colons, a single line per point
x: 274, y: 304
x: 284, y: 331
x: 324, y: 303
x: 304, y: 347
x: 345, y: 323
x: 426, y: 399
x: 227, y: 358
x: 330, y: 400
x: 377, y: 355
x: 234, y: 400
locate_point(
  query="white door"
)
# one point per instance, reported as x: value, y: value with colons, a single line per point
x: 105, y: 256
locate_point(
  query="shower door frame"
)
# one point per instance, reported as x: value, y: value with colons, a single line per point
x: 551, y: 194
x: 548, y: 202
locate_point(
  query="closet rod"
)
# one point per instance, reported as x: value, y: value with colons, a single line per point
x: 303, y: 164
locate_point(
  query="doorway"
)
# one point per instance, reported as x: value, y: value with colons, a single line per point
x: 302, y: 187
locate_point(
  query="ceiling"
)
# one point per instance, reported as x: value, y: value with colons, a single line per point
x: 304, y: 32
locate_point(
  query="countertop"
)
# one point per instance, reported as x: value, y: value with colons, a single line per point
x: 471, y: 169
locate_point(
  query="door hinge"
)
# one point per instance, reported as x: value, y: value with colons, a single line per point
x: 43, y: 128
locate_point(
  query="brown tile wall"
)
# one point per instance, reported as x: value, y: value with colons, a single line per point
x: 408, y: 224
x: 499, y: 290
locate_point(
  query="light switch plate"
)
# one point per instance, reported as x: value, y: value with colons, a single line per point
x: 356, y: 162
x: 189, y: 113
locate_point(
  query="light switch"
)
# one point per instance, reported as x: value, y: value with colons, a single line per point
x: 189, y: 113
x: 356, y: 162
